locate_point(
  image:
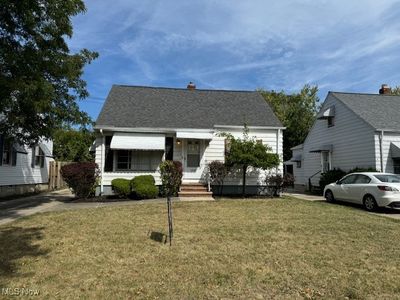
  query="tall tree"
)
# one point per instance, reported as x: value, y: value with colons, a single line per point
x: 73, y: 145
x: 247, y: 152
x: 296, y: 112
x: 40, y: 81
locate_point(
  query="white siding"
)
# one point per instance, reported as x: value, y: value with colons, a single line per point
x: 388, y: 138
x: 352, y: 140
x: 298, y: 173
x: 22, y: 172
x: 213, y: 150
x: 216, y: 151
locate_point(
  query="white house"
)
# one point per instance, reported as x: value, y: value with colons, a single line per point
x: 351, y: 130
x: 139, y: 127
x: 24, y: 169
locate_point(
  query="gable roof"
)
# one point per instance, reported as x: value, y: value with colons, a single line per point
x: 152, y: 107
x: 379, y: 111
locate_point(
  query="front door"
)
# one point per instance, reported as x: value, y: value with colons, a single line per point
x: 192, y: 159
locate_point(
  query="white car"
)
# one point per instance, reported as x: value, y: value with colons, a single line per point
x: 372, y: 190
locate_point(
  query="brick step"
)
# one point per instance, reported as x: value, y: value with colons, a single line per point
x: 196, y: 198
x: 194, y: 194
x: 194, y: 189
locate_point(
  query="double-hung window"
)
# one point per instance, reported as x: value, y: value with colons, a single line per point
x: 38, y: 156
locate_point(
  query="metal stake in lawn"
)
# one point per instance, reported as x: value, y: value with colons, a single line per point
x: 170, y: 227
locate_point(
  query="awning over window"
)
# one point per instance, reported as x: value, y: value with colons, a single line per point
x: 45, y: 150
x: 296, y: 157
x: 19, y: 148
x: 203, y: 135
x: 327, y: 113
x: 137, y: 141
x: 322, y: 148
x: 395, y: 150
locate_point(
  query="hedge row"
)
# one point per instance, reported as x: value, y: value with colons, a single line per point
x: 140, y: 187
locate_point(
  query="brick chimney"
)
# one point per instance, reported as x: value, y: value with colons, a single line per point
x: 385, y: 90
x: 191, y: 86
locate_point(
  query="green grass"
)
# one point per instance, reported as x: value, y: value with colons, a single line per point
x: 225, y: 249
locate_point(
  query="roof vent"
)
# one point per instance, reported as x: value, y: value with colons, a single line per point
x: 385, y: 90
x: 191, y: 86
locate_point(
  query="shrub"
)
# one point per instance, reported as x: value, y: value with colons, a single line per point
x: 143, y: 179
x: 218, y: 171
x: 171, y: 177
x: 330, y: 176
x: 81, y: 178
x: 121, y: 186
x: 358, y: 170
x: 144, y: 187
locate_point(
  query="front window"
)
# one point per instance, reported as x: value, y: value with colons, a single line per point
x: 331, y: 121
x: 135, y: 160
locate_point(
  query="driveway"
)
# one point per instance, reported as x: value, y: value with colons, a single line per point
x: 383, y: 212
x: 53, y: 201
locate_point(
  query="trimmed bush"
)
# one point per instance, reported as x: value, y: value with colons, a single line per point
x: 171, y: 177
x: 218, y: 171
x: 144, y: 187
x: 121, y: 186
x: 81, y: 178
x: 143, y: 179
x: 330, y: 177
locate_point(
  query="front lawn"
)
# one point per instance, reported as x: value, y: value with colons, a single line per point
x: 225, y: 249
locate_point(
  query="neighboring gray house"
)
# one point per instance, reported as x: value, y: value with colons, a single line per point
x: 24, y: 169
x: 139, y: 127
x: 351, y: 130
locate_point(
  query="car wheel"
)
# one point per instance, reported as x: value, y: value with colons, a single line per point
x: 329, y: 196
x: 370, y: 203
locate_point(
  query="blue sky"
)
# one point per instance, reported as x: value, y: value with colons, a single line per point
x: 241, y: 45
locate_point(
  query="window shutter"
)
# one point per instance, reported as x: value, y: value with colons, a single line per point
x: 13, y: 156
x: 43, y: 158
x: 1, y: 149
x: 33, y: 157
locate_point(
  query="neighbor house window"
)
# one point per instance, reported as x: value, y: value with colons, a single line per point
x: 7, y: 153
x: 298, y: 164
x: 331, y: 121
x: 138, y: 160
x: 38, y: 156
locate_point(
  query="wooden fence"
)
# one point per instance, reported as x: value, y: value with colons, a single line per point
x: 56, y: 181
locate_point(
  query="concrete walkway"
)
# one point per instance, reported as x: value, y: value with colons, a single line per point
x: 26, y: 206
x: 383, y: 212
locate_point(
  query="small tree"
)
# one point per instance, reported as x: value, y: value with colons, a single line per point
x: 247, y: 152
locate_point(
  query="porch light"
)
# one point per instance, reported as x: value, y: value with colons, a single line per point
x: 178, y: 142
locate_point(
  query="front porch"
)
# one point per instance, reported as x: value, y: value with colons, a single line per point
x: 126, y: 155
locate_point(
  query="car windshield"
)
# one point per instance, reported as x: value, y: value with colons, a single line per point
x: 388, y: 178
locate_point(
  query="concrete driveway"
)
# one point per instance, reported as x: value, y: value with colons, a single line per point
x: 383, y: 212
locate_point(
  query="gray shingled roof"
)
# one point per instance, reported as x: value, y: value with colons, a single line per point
x: 134, y: 106
x: 380, y: 111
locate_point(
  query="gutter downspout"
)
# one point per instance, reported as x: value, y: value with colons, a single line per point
x: 381, y: 149
x: 278, y: 136
x: 102, y: 162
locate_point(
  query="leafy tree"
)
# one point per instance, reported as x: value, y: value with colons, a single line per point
x: 73, y: 145
x: 40, y: 81
x: 296, y: 112
x: 395, y: 91
x: 247, y: 152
